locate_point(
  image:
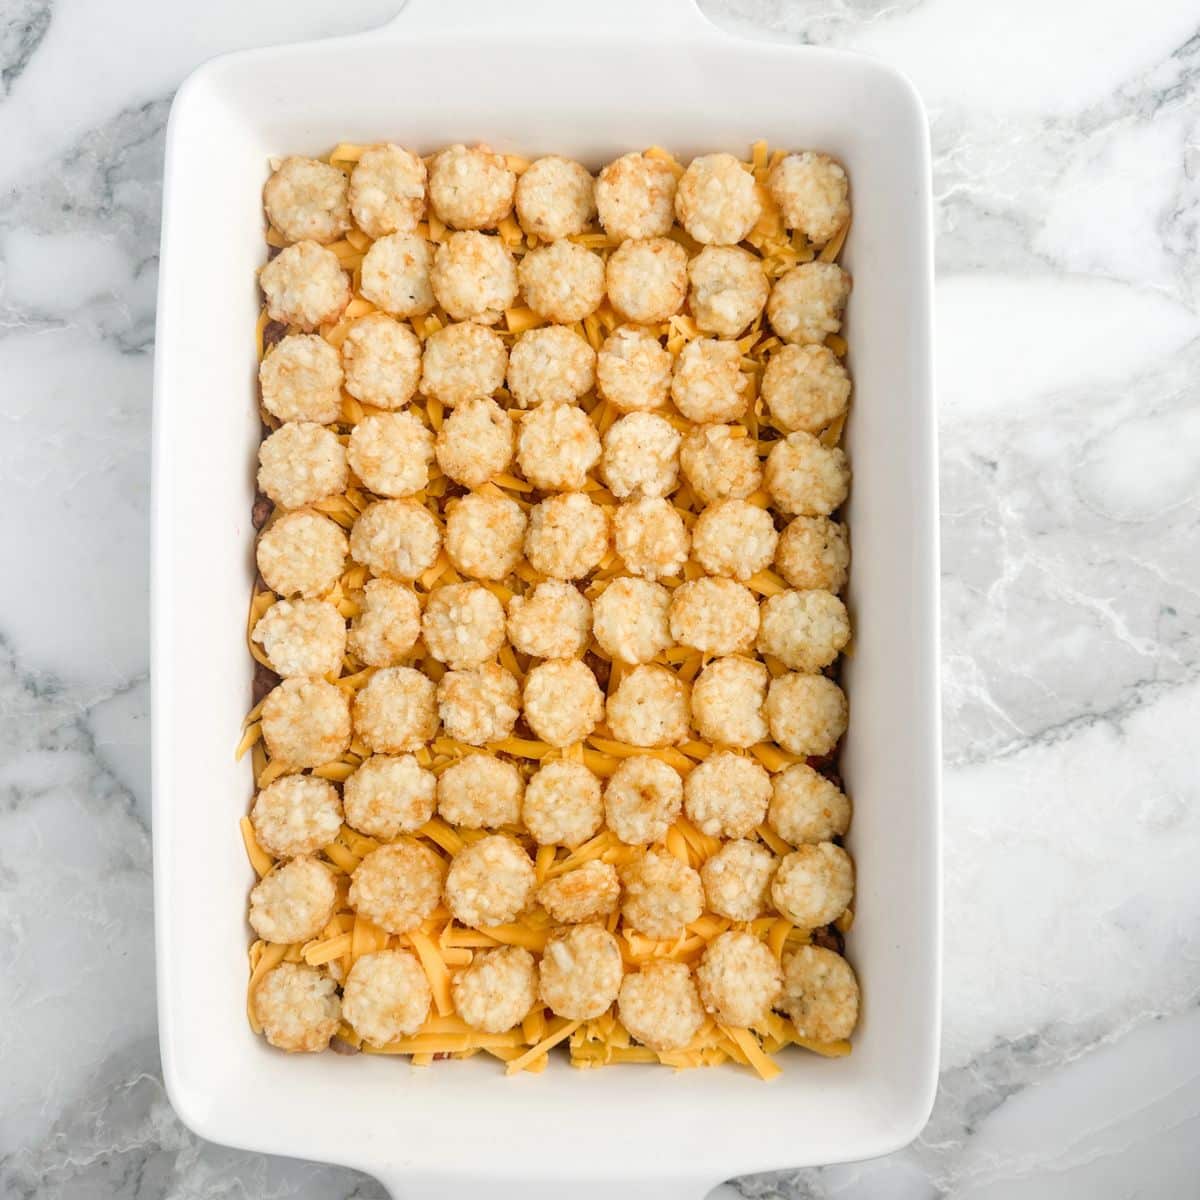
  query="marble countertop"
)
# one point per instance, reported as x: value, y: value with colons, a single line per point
x: 1066, y: 145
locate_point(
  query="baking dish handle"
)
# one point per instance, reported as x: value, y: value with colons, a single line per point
x: 547, y: 16
x: 402, y: 1187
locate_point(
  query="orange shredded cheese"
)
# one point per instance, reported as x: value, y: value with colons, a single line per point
x: 436, y: 970
x: 343, y: 859
x: 773, y: 840
x: 318, y: 953
x: 777, y: 937
x: 772, y: 757
x: 259, y: 859
x: 252, y: 735
x: 564, y: 1031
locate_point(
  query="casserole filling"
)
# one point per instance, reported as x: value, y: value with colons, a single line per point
x: 546, y: 619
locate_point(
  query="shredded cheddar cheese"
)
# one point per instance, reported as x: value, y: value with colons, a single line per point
x: 563, y: 1030
x: 260, y: 860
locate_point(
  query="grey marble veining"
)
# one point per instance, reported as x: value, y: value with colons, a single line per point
x: 1066, y: 143
x: 25, y: 26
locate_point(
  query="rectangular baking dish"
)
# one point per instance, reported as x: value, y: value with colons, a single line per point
x: 590, y: 83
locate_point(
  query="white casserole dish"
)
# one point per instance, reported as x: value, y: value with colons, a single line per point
x: 539, y: 77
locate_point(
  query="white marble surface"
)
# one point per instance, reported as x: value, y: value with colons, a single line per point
x: 1066, y: 155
